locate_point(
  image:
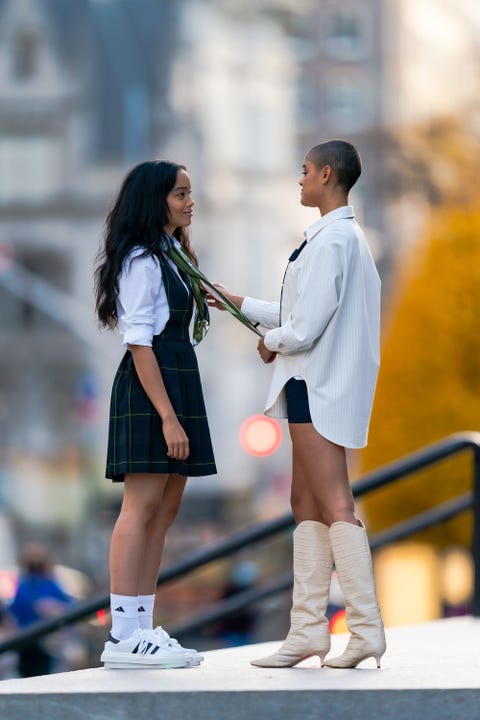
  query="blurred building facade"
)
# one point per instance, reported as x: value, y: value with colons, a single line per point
x: 67, y: 129
x: 87, y: 89
x: 237, y: 90
x: 375, y: 71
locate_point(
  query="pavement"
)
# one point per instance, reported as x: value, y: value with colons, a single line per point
x: 430, y: 671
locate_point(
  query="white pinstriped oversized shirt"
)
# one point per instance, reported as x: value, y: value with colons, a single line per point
x: 327, y: 330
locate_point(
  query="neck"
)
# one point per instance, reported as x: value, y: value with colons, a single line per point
x: 333, y: 202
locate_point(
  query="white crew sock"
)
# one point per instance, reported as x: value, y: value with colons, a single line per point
x: 124, y: 615
x: 145, y: 611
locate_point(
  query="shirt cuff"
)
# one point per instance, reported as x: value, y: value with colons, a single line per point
x: 138, y: 335
x: 272, y: 339
x: 246, y: 307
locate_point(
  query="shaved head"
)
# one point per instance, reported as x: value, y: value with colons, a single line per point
x: 342, y: 157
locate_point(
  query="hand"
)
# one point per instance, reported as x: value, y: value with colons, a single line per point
x: 237, y: 300
x: 267, y: 355
x: 211, y: 299
x: 178, y: 447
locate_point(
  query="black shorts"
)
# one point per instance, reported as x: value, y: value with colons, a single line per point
x: 298, y: 410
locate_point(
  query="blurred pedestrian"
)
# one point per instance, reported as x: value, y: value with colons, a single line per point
x: 39, y: 596
x: 323, y: 339
x: 158, y: 432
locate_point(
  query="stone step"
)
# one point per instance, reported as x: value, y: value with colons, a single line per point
x: 430, y: 671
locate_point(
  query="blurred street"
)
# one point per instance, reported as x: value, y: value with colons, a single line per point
x: 238, y: 90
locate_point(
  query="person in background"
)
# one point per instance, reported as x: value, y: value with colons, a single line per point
x: 158, y: 431
x: 324, y: 340
x: 39, y: 596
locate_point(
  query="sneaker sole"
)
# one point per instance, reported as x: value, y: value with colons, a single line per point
x: 143, y: 661
x: 129, y: 665
x: 193, y: 662
x: 140, y: 666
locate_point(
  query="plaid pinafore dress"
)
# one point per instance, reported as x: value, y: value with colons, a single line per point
x: 135, y: 441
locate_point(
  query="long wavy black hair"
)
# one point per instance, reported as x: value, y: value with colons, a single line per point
x: 137, y: 219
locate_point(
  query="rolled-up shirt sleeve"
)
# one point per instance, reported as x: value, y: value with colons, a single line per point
x: 139, y: 286
x: 261, y: 311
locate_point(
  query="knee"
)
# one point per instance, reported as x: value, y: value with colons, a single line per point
x: 141, y: 510
x: 304, y: 508
x: 149, y: 511
x: 298, y: 505
x: 168, y: 511
x: 341, y: 514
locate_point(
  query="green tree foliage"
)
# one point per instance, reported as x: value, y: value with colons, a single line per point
x: 429, y: 381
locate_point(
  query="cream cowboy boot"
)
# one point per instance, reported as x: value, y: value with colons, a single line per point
x: 312, y: 570
x: 351, y: 553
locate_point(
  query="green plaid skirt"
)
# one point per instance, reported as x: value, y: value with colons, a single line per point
x: 136, y: 443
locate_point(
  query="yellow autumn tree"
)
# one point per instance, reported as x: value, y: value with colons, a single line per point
x: 429, y: 381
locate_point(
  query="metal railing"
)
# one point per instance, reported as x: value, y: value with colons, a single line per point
x: 408, y: 465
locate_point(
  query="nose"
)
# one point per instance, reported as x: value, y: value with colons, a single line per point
x: 190, y: 203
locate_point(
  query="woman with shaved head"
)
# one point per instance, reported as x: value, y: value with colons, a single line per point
x: 323, y: 341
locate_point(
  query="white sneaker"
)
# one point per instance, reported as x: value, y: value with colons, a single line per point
x: 162, y: 635
x: 142, y: 650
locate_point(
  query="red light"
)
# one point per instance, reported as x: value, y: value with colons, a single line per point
x: 8, y: 584
x: 338, y: 623
x: 260, y: 435
x: 102, y: 617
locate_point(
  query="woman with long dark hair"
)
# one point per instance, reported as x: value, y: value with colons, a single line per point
x: 158, y: 429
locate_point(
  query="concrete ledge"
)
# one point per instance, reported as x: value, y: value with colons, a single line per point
x: 429, y: 671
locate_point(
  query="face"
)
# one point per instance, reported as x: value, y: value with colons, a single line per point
x: 180, y: 203
x: 312, y: 183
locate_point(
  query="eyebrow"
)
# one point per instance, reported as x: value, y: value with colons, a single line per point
x: 181, y: 187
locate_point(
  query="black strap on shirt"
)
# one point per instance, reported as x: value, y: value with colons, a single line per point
x: 297, y: 252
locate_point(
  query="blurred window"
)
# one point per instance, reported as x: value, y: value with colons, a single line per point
x: 24, y: 55
x: 30, y: 168
x: 307, y: 116
x: 18, y: 311
x: 348, y: 33
x: 347, y: 106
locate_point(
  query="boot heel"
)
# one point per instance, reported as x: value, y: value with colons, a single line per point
x: 351, y: 553
x: 312, y: 571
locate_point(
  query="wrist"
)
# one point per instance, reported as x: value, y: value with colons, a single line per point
x: 237, y: 300
x: 168, y: 417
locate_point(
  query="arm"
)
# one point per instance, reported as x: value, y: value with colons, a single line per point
x: 267, y: 314
x: 152, y: 382
x: 138, y: 290
x: 319, y: 286
x: 261, y: 312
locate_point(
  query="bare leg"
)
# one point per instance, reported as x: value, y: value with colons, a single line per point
x: 321, y: 491
x: 320, y: 487
x: 142, y: 499
x: 156, y: 532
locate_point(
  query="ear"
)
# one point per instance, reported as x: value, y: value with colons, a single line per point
x: 325, y: 174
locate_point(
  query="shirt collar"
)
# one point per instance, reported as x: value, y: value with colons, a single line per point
x: 346, y: 211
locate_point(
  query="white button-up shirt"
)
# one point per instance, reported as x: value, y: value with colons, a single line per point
x: 327, y: 330
x: 142, y: 305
